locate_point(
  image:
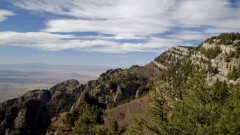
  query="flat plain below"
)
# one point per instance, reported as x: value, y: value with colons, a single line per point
x: 15, y: 80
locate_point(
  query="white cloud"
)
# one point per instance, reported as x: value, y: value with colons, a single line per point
x: 127, y: 19
x: 221, y: 30
x: 93, y: 9
x: 54, y: 42
x: 214, y: 13
x: 47, y: 41
x: 189, y: 35
x: 116, y: 27
x: 134, y: 16
x: 122, y: 18
x: 4, y: 14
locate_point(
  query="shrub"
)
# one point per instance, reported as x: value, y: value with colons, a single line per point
x: 211, y: 53
x: 89, y: 120
x: 234, y: 74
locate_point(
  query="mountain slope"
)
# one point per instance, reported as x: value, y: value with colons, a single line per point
x: 111, y: 88
x: 200, y: 95
x: 32, y: 112
x: 118, y: 86
x: 97, y: 106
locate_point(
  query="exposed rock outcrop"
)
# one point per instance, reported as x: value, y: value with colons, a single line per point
x: 32, y: 112
x: 115, y: 86
x: 36, y: 110
x: 218, y: 59
x: 171, y: 56
x: 26, y: 115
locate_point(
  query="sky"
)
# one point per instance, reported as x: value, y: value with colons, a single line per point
x: 108, y: 32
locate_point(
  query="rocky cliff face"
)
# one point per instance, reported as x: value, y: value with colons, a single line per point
x: 116, y: 85
x: 201, y: 91
x: 219, y: 59
x: 63, y: 96
x: 27, y: 114
x: 171, y: 56
x: 32, y: 112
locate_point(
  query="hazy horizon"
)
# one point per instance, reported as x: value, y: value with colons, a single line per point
x: 107, y: 33
x: 44, y: 42
x: 17, y: 80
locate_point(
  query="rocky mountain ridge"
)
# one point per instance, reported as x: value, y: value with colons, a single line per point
x: 218, y: 58
x: 200, y: 95
x: 32, y: 112
x: 39, y: 110
x: 111, y: 88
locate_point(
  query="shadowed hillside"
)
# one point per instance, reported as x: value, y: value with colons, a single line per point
x: 183, y: 85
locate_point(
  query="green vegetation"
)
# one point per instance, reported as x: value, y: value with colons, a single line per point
x: 86, y: 120
x: 129, y: 82
x: 213, y: 70
x: 134, y: 67
x: 224, y: 38
x: 67, y: 102
x: 115, y: 127
x: 210, y: 40
x: 203, y: 109
x: 211, y: 53
x: 228, y: 38
x: 163, y: 58
x: 126, y: 100
x: 229, y: 56
x: 237, y: 51
x: 138, y: 127
x: 234, y: 74
x: 183, y: 103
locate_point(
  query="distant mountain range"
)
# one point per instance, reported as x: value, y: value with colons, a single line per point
x: 155, y: 93
x: 43, y: 65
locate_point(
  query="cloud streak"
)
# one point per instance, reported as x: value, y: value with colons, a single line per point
x: 4, y: 14
x: 55, y: 42
x: 115, y: 27
x: 176, y: 22
x: 138, y: 13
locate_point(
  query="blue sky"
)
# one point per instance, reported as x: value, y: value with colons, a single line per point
x: 107, y: 32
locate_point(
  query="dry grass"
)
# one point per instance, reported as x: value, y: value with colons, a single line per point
x: 60, y: 126
x: 123, y: 114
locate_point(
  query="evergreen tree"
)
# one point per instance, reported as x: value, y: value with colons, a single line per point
x: 230, y: 114
x: 89, y: 120
x: 203, y: 109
